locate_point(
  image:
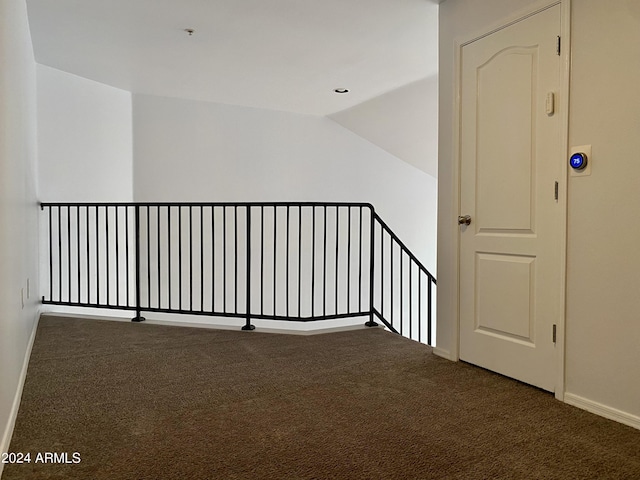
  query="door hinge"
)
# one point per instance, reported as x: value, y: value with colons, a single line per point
x: 555, y: 191
x: 559, y: 45
x: 554, y: 333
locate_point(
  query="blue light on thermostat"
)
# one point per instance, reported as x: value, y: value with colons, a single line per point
x: 578, y: 161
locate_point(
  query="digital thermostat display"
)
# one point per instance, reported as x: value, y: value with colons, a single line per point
x: 578, y: 161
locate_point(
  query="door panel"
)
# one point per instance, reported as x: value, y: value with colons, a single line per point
x: 510, y: 77
x: 510, y: 271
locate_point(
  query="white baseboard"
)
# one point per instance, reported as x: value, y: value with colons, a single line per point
x: 8, y: 430
x: 260, y: 329
x: 440, y: 352
x: 602, y: 410
x: 217, y: 323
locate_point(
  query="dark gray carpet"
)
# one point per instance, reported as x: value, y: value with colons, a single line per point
x: 140, y: 401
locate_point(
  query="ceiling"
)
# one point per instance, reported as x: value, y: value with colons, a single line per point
x: 285, y: 55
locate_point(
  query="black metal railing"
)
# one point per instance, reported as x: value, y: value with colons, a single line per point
x: 403, y: 287
x: 300, y: 261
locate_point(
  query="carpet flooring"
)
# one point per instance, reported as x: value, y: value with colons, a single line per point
x: 141, y: 401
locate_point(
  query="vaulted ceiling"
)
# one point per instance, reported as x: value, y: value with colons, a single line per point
x: 279, y: 54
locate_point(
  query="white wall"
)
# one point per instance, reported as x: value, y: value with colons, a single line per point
x: 603, y: 260
x: 602, y: 327
x: 404, y: 122
x: 18, y: 207
x: 195, y: 151
x: 84, y: 138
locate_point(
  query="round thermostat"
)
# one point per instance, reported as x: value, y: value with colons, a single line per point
x: 578, y: 161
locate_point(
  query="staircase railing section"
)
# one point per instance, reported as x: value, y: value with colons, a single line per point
x: 301, y: 261
x: 404, y: 289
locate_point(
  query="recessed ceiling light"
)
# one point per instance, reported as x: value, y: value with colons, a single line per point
x: 341, y: 90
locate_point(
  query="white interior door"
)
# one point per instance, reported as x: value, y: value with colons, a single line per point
x: 510, y: 253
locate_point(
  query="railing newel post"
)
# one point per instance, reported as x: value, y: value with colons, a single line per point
x: 248, y: 326
x: 138, y: 317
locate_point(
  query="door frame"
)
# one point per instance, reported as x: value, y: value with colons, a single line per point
x: 563, y: 94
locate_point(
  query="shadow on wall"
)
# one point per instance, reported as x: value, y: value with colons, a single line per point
x: 403, y: 122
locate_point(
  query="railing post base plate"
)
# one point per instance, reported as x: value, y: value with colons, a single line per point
x: 371, y: 323
x: 248, y: 327
x: 138, y: 319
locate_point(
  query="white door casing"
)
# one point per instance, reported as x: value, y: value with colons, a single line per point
x: 511, y: 153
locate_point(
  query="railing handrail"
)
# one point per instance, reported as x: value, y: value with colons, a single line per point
x: 404, y: 248
x: 209, y: 204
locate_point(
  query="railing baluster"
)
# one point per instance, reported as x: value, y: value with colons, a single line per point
x: 59, y: 254
x: 190, y: 257
x: 224, y: 259
x: 419, y: 305
x: 429, y: 310
x: 382, y: 271
x: 360, y: 263
x: 262, y: 260
x: 69, y: 252
x: 97, y: 256
x: 138, y: 317
x: 51, y: 254
x: 148, y: 221
x: 299, y: 257
x: 169, y: 233
x: 392, y: 314
x: 117, y: 255
x: 213, y: 259
x: 337, y: 256
x: 410, y: 298
x: 287, y: 264
x: 106, y: 225
x: 201, y: 259
x: 324, y: 263
x: 78, y: 250
x: 180, y: 258
x: 313, y: 260
x: 275, y: 253
x: 401, y: 292
x: 159, y: 257
x: 349, y: 259
x: 235, y: 251
x: 89, y: 260
x: 371, y: 322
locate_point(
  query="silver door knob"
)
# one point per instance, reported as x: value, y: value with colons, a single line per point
x: 464, y: 220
